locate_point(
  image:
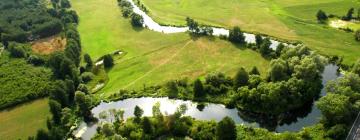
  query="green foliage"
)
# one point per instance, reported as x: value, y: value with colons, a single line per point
x: 265, y: 49
x: 88, y: 60
x: 42, y: 135
x: 335, y: 108
x: 84, y: 104
x: 241, y: 78
x: 137, y: 20
x: 278, y: 70
x: 356, y: 68
x: 87, y: 77
x: 193, y: 25
x: 108, y: 61
x: 254, y: 71
x: 18, y: 50
x: 21, y: 82
x: 55, y: 109
x: 24, y: 20
x: 357, y: 35
x: 236, y: 35
x: 171, y: 89
x: 258, y: 39
x: 321, y: 16
x: 198, y: 88
x: 226, y: 129
x: 138, y: 112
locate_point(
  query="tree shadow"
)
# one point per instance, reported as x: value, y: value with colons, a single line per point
x: 137, y: 29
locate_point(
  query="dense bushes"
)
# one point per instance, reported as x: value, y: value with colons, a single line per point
x: 127, y: 11
x: 21, y: 82
x: 24, y: 20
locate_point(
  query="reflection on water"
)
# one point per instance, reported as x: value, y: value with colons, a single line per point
x: 291, y: 121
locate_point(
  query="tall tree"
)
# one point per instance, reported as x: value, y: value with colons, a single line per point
x: 108, y: 61
x: 198, y: 88
x: 236, y: 35
x: 226, y: 129
x: 55, y: 109
x: 278, y: 70
x: 84, y: 104
x: 321, y: 16
x: 89, y: 62
x: 254, y: 71
x: 138, y: 112
x: 336, y: 108
x: 258, y: 40
x: 241, y: 78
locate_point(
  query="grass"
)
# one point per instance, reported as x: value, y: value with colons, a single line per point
x: 284, y: 19
x: 152, y: 57
x: 24, y: 120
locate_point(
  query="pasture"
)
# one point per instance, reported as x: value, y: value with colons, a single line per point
x: 152, y: 57
x: 283, y: 19
x: 24, y: 120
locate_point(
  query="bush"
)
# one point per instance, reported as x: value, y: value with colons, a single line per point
x: 137, y: 20
x: 237, y: 36
x: 87, y: 76
x: 108, y: 61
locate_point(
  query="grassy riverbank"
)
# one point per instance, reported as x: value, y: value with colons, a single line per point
x: 283, y: 19
x: 152, y: 57
x: 24, y: 120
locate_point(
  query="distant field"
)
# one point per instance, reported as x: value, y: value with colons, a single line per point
x: 152, y: 57
x: 285, y: 19
x: 24, y: 120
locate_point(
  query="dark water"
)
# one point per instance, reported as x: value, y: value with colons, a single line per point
x: 307, y: 116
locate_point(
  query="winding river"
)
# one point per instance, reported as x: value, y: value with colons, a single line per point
x: 152, y: 25
x: 309, y: 115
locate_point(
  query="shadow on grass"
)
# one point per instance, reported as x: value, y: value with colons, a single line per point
x: 137, y: 29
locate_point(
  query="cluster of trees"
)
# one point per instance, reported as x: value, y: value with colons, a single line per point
x: 24, y: 20
x: 127, y: 11
x: 321, y: 16
x: 142, y: 6
x: 159, y: 125
x: 195, y: 28
x: 341, y: 104
x: 350, y: 15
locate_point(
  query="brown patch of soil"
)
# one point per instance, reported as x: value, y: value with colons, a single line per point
x: 49, y: 45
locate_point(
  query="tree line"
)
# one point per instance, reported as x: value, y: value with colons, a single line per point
x: 127, y: 11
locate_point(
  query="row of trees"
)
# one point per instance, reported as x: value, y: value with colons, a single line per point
x: 127, y: 11
x: 322, y: 17
x: 159, y: 125
x: 196, y: 28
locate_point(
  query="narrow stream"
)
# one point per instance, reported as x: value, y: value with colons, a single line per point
x: 152, y: 25
x: 308, y: 116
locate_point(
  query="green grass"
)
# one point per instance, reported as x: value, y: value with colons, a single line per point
x: 284, y: 19
x: 23, y: 121
x: 152, y: 57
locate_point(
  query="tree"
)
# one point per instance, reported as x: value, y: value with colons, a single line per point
x: 17, y: 50
x: 42, y: 135
x: 349, y: 14
x: 65, y: 4
x: 84, y: 104
x: 127, y: 11
x: 265, y: 49
x: 107, y: 129
x: 241, y: 78
x: 146, y: 125
x: 335, y: 108
x: 198, y: 88
x: 138, y: 112
x: 258, y: 40
x: 171, y: 89
x: 279, y: 49
x: 226, y: 129
x: 55, y: 109
x: 108, y: 61
x: 357, y: 35
x: 254, y: 71
x: 89, y: 62
x: 321, y: 16
x: 193, y: 25
x: 356, y: 68
x: 278, y: 70
x: 59, y: 94
x: 236, y: 35
x: 137, y: 20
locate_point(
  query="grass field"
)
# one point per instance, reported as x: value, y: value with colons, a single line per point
x: 285, y: 19
x: 24, y: 120
x: 153, y: 58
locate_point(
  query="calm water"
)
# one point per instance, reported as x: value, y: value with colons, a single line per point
x: 308, y: 116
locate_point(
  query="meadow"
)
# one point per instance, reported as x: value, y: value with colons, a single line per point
x: 154, y: 58
x: 24, y: 120
x: 282, y: 19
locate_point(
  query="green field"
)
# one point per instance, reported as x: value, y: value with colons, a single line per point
x: 284, y: 19
x: 153, y: 58
x: 24, y: 120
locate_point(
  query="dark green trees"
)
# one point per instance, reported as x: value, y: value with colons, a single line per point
x: 265, y: 49
x: 137, y: 20
x: 108, y: 61
x: 321, y: 16
x: 84, y: 105
x: 258, y: 40
x: 87, y: 59
x: 198, y: 88
x: 349, y: 14
x: 241, y: 78
x: 193, y: 25
x: 278, y: 70
x: 357, y: 35
x: 336, y: 108
x: 356, y: 68
x: 226, y: 129
x: 138, y: 112
x: 55, y: 109
x: 254, y: 71
x: 236, y: 35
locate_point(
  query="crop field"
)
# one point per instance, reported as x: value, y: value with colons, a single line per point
x: 23, y: 120
x: 153, y: 58
x: 284, y: 19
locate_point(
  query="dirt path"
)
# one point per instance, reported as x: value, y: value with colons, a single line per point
x: 158, y: 66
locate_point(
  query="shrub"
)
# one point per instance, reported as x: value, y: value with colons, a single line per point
x: 87, y: 76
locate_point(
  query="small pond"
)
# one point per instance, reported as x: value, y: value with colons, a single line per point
x: 307, y: 116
